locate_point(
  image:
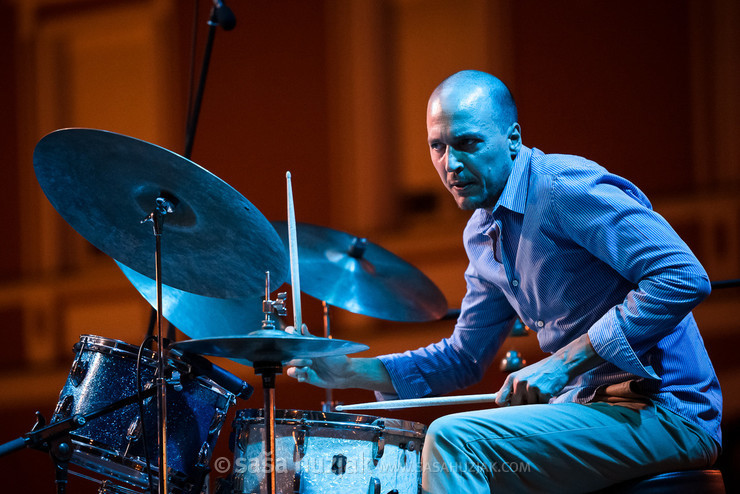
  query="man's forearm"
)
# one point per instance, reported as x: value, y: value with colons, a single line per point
x: 578, y: 356
x: 368, y: 373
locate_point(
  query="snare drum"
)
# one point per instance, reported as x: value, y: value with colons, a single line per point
x: 327, y: 452
x: 103, y: 372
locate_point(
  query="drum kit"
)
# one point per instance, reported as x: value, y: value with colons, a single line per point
x: 207, y: 260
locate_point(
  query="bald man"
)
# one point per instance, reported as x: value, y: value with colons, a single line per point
x: 578, y: 254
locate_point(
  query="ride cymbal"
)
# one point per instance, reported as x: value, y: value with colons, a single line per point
x: 215, y: 243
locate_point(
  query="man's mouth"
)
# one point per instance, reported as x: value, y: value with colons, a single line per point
x: 461, y: 186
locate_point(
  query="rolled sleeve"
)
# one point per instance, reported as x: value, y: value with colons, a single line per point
x: 611, y: 344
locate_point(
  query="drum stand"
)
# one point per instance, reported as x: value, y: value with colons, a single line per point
x: 55, y: 438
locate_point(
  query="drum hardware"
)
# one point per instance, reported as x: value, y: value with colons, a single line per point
x: 379, y: 443
x: 374, y: 487
x: 337, y: 453
x: 55, y: 437
x: 114, y: 445
x: 163, y: 206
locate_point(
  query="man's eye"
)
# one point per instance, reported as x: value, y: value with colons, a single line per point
x: 468, y: 143
x: 437, y: 146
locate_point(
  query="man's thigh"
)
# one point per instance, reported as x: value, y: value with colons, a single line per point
x: 558, y: 448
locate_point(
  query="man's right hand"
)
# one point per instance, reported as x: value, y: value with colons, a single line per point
x: 340, y: 372
x: 326, y: 372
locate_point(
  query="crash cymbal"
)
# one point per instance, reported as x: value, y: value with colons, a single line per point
x: 198, y: 316
x: 269, y: 345
x: 215, y: 243
x: 348, y: 272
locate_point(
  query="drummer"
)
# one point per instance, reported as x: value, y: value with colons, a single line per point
x: 578, y: 254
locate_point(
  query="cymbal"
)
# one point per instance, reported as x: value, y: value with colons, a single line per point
x: 269, y: 345
x: 215, y: 243
x: 348, y: 272
x: 198, y: 316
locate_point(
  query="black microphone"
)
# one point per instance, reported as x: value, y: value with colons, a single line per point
x: 219, y: 375
x: 223, y: 15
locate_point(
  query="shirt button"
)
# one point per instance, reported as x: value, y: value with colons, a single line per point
x: 540, y: 324
x: 514, y: 282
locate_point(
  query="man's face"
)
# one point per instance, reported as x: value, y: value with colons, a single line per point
x: 471, y: 154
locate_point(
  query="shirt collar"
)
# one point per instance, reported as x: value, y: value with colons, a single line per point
x: 514, y: 195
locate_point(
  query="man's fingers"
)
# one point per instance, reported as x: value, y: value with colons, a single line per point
x: 302, y: 374
x: 518, y: 393
x: 300, y: 362
x: 504, y: 394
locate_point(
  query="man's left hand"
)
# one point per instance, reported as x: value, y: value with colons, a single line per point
x: 539, y: 382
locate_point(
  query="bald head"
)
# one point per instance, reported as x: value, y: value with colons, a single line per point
x: 473, y: 89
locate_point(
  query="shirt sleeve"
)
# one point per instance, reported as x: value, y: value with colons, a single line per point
x: 612, y: 219
x: 460, y: 360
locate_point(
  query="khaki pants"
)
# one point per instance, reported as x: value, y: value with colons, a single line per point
x: 563, y: 448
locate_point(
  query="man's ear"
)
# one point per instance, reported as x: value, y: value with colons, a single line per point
x: 514, y: 137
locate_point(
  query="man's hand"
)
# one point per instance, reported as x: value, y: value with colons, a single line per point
x: 326, y: 372
x: 340, y: 372
x: 539, y: 382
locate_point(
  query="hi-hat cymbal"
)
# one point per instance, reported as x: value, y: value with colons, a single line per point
x: 215, y: 243
x: 198, y: 316
x: 269, y: 345
x: 348, y: 272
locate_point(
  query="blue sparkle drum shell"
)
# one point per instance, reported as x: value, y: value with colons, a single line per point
x: 327, y: 452
x: 103, y: 372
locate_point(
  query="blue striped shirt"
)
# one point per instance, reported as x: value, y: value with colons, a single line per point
x: 571, y: 248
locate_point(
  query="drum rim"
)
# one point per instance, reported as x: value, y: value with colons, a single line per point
x: 92, y: 342
x: 113, y: 346
x: 89, y: 454
x: 332, y: 420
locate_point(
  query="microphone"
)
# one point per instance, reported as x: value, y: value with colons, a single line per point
x: 219, y: 375
x: 223, y: 15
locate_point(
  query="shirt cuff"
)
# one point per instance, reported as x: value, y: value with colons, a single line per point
x: 611, y: 344
x: 405, y: 376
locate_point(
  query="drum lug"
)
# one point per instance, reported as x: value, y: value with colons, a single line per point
x: 78, y: 371
x: 175, y: 380
x: 63, y: 409
x: 299, y: 438
x: 410, y: 447
x: 379, y: 443
x: 374, y: 487
x: 134, y: 430
x: 203, y: 456
x: 217, y: 422
x: 297, y: 482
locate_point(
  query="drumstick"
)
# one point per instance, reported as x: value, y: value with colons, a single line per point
x: 294, y: 271
x: 420, y: 402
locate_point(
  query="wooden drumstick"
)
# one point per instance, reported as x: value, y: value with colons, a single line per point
x: 294, y: 271
x: 420, y: 402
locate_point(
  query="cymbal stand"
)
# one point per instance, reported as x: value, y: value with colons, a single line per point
x: 268, y: 370
x: 163, y: 207
x: 328, y: 405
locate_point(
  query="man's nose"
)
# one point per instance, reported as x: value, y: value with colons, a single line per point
x: 452, y: 163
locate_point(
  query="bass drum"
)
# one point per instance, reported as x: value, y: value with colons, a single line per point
x: 103, y: 372
x: 328, y: 452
